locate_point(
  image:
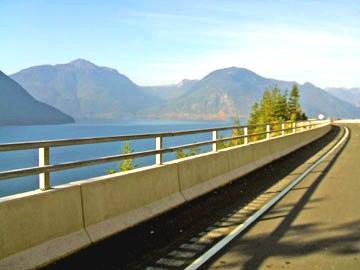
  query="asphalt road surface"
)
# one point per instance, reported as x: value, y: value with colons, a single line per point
x: 315, y: 226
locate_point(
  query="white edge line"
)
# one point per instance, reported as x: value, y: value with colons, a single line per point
x: 227, y: 239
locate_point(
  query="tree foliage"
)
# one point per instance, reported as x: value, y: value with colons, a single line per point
x: 126, y: 164
x: 235, y: 133
x: 276, y: 107
x: 181, y: 153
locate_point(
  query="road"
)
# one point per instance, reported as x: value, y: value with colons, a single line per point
x: 177, y: 238
x: 315, y: 226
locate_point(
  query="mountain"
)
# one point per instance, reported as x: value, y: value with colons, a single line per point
x: 226, y: 92
x: 86, y: 91
x: 351, y: 95
x: 171, y: 91
x: 18, y: 107
x: 90, y: 92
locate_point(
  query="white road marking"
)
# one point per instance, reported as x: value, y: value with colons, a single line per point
x: 239, y: 229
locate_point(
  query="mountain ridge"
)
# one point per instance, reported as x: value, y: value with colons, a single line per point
x: 351, y: 95
x: 232, y: 91
x: 85, y: 90
x: 88, y: 91
x: 18, y: 107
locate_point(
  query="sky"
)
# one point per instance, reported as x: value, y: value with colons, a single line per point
x: 161, y: 42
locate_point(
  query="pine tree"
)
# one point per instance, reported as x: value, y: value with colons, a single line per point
x: 236, y: 132
x: 254, y: 114
x: 181, y: 153
x: 281, y: 106
x: 267, y: 107
x: 294, y: 105
x: 126, y: 164
x: 275, y: 108
x: 256, y: 118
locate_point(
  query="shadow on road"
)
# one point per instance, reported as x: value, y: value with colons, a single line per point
x: 258, y: 249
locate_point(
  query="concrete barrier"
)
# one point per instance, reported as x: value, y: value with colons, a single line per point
x: 115, y: 202
x: 241, y: 160
x: 38, y: 227
x: 201, y: 174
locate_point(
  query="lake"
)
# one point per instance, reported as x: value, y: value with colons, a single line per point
x: 29, y: 158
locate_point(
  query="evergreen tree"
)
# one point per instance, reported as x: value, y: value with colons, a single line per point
x: 294, y: 105
x: 275, y: 108
x: 126, y: 164
x: 281, y: 106
x: 254, y: 114
x: 236, y: 132
x: 267, y: 107
x: 181, y: 153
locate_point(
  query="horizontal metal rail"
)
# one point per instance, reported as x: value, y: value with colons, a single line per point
x: 67, y: 142
x: 45, y: 168
x: 92, y: 140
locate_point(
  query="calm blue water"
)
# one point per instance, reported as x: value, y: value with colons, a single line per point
x: 29, y: 158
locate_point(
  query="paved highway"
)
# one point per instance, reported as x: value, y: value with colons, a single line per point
x: 315, y: 226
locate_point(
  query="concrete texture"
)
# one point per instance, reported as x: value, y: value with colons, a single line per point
x: 315, y: 226
x: 201, y: 174
x: 51, y: 221
x: 115, y: 202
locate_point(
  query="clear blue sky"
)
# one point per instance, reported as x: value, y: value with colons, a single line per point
x: 157, y: 42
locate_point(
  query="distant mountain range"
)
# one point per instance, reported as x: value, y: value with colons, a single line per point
x: 18, y: 107
x: 86, y: 91
x: 231, y: 91
x: 171, y: 91
x: 351, y: 95
x: 90, y: 92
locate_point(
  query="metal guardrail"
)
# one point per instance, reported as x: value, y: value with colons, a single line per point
x: 45, y: 168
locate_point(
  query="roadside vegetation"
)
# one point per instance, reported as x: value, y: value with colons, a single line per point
x: 275, y: 108
x: 182, y: 153
x: 127, y: 164
x: 235, y: 133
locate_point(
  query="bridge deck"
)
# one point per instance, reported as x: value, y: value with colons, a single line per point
x: 315, y: 226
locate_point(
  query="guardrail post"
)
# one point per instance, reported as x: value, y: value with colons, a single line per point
x: 44, y: 159
x: 282, y: 129
x: 293, y: 127
x: 215, y: 136
x: 246, y: 135
x: 159, y: 146
x: 268, y: 130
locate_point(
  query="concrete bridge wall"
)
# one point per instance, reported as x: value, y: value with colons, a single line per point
x: 39, y: 227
